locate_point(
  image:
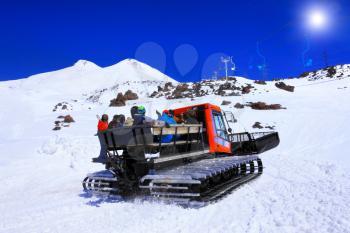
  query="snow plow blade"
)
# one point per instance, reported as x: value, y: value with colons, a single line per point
x: 253, y: 143
x: 267, y: 142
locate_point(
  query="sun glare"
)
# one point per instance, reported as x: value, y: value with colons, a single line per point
x: 317, y: 19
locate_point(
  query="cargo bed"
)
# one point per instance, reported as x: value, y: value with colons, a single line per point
x: 253, y: 143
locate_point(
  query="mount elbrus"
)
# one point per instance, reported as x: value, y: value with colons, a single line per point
x: 201, y: 162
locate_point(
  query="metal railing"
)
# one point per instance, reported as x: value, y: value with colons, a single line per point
x: 152, y: 136
x: 243, y: 137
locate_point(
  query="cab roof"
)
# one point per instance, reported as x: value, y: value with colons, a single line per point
x: 204, y: 105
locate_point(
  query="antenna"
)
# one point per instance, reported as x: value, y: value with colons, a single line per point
x: 227, y: 60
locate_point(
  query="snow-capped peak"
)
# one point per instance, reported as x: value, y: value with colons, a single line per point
x: 85, y: 76
x: 85, y: 64
x: 133, y: 70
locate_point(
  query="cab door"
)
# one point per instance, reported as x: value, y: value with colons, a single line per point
x: 221, y: 139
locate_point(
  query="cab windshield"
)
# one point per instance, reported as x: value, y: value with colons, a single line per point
x: 220, y: 125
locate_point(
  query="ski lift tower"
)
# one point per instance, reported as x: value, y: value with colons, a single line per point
x: 226, y: 61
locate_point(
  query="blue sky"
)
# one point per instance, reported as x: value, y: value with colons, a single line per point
x: 185, y: 39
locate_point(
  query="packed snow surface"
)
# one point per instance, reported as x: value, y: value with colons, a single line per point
x: 305, y: 186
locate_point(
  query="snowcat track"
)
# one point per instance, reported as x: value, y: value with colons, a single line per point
x: 204, y: 181
x: 102, y: 182
x: 226, y: 188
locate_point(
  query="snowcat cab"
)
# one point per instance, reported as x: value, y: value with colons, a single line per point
x: 199, y: 163
x: 221, y: 140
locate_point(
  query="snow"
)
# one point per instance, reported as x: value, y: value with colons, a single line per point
x: 304, y: 188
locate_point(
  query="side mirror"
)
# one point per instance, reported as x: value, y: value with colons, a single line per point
x: 229, y: 130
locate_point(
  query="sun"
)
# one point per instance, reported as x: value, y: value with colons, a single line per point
x: 317, y: 19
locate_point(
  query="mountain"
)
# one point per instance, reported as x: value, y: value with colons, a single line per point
x: 85, y: 76
x: 338, y: 71
x: 304, y: 188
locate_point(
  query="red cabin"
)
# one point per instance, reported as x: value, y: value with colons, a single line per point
x: 213, y: 126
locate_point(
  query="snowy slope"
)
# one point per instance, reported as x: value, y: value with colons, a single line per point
x: 305, y: 186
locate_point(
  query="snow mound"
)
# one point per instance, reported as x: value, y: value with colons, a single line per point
x: 50, y: 146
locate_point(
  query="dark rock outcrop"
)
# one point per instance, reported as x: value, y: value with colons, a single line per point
x: 304, y: 74
x: 257, y: 125
x: 225, y: 102
x: 264, y: 106
x: 239, y: 106
x: 225, y: 86
x: 168, y: 86
x: 119, y: 101
x: 62, y: 106
x: 331, y: 71
x: 270, y: 127
x: 229, y: 78
x: 63, y: 123
x: 182, y: 87
x: 246, y: 89
x: 261, y: 82
x: 180, y: 90
x: 68, y: 119
x: 129, y: 95
x: 154, y: 94
x: 283, y: 86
